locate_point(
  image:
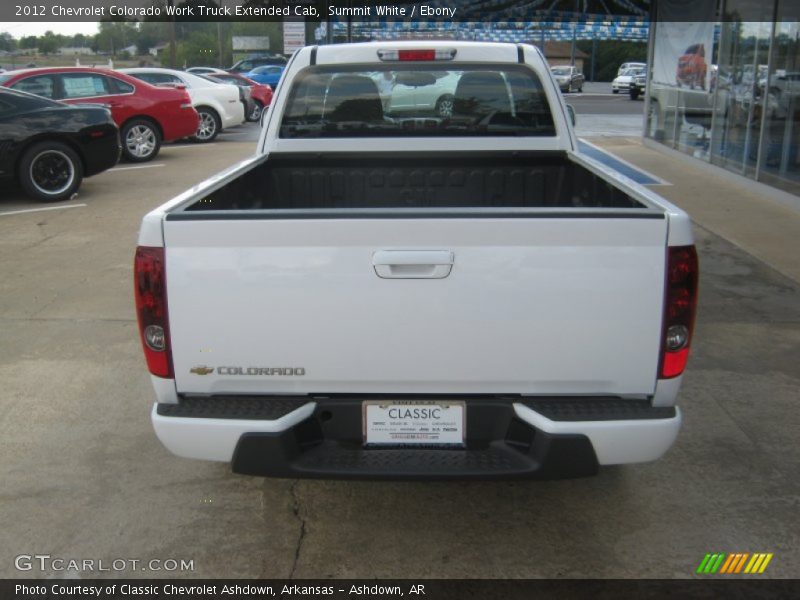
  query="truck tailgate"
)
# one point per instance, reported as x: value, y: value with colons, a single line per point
x: 552, y: 305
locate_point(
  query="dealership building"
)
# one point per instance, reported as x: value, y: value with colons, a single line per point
x: 724, y: 86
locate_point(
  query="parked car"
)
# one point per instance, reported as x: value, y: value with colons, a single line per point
x: 485, y: 340
x: 638, y: 85
x: 49, y: 147
x: 146, y: 115
x: 784, y: 91
x: 569, y: 79
x: 217, y: 104
x: 418, y: 91
x: 250, y: 63
x: 630, y: 65
x: 261, y: 93
x: 204, y: 70
x: 622, y: 82
x: 245, y: 94
x: 692, y: 67
x: 268, y: 75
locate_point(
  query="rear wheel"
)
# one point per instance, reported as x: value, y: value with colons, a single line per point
x: 209, y: 126
x: 141, y: 140
x: 614, y: 91
x: 50, y: 171
x: 634, y: 93
x: 444, y: 106
x: 255, y: 114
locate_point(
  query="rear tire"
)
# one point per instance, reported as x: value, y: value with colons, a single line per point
x: 444, y: 106
x: 613, y: 91
x: 141, y: 140
x: 255, y: 114
x: 209, y: 127
x: 634, y: 93
x: 50, y: 171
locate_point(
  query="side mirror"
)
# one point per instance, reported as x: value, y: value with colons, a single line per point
x: 571, y: 112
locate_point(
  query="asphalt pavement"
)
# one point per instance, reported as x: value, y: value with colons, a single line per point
x: 85, y: 477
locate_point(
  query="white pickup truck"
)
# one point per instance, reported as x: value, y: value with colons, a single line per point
x: 411, y: 294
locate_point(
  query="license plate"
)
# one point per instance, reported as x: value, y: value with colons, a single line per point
x: 414, y: 423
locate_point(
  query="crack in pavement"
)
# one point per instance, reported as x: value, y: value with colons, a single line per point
x: 301, y: 537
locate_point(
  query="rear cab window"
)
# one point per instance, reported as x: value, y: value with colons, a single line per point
x: 395, y: 100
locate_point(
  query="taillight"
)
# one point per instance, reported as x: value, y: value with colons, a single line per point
x: 421, y: 54
x: 680, y: 306
x: 150, y: 288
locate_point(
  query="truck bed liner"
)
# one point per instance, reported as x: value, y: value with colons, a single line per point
x: 475, y: 180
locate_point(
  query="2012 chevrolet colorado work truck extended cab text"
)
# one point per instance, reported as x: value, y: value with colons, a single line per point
x: 389, y: 290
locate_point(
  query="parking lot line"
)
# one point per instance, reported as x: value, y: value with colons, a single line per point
x: 33, y: 210
x: 186, y: 146
x: 136, y: 167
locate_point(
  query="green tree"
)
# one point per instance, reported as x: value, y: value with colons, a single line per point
x: 148, y: 34
x: 113, y: 36
x: 29, y: 42
x: 198, y: 48
x: 49, y: 43
x: 80, y: 40
x: 7, y: 42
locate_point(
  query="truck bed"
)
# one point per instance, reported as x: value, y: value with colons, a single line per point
x: 474, y: 180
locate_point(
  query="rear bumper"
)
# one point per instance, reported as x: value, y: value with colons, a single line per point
x: 102, y: 153
x: 293, y: 437
x: 179, y: 124
x: 234, y: 115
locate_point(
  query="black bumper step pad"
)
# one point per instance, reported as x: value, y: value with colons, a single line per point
x: 268, y: 408
x: 597, y: 408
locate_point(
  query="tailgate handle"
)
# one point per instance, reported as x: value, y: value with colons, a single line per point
x: 412, y: 264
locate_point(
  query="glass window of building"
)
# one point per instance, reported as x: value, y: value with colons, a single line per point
x: 725, y: 87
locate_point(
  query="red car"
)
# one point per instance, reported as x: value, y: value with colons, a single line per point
x: 262, y: 94
x: 146, y: 115
x: 692, y: 67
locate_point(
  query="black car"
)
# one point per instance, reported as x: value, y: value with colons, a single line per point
x: 49, y: 146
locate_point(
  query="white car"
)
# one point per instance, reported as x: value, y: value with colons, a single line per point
x: 217, y: 104
x: 411, y: 91
x: 204, y: 70
x: 623, y: 82
x: 630, y: 65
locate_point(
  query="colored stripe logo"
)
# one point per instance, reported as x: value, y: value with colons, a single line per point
x: 734, y: 563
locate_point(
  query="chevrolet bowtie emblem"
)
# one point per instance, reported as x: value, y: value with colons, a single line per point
x: 201, y: 370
